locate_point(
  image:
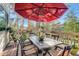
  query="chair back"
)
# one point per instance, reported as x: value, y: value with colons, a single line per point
x: 47, y: 35
x: 55, y: 36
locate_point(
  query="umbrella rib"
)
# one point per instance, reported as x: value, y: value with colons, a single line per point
x: 25, y: 9
x: 31, y: 14
x: 53, y: 14
x: 56, y: 11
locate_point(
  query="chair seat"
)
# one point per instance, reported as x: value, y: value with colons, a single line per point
x: 54, y: 52
x: 61, y: 46
x: 60, y: 52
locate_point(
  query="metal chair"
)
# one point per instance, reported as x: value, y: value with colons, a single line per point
x: 66, y: 51
x: 62, y: 52
x: 21, y: 47
x: 55, y: 36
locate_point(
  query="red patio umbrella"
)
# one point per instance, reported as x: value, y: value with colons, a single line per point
x: 41, y: 12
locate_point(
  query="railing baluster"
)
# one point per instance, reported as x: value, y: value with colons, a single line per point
x: 67, y: 37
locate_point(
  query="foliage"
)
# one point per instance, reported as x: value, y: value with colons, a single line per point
x: 74, y: 49
x: 2, y: 24
x: 24, y: 36
x: 71, y: 24
x: 14, y: 32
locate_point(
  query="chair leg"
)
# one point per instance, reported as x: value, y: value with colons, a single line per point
x: 55, y: 48
x: 46, y: 53
x: 49, y: 53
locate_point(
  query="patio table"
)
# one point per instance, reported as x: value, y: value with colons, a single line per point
x: 44, y: 46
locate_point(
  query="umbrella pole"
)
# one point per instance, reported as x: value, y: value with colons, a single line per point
x: 39, y: 29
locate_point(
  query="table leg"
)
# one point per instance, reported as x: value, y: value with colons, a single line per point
x: 39, y: 52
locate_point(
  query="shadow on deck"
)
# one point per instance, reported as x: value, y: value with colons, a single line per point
x: 10, y: 50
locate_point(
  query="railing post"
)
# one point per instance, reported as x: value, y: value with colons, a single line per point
x: 19, y: 49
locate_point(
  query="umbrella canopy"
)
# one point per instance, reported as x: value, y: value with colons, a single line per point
x: 41, y: 12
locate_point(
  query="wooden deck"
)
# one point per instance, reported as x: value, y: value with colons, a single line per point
x: 11, y: 50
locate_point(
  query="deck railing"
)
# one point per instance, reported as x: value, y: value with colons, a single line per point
x: 65, y: 37
x: 68, y: 37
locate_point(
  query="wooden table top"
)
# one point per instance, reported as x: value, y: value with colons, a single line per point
x: 47, y: 43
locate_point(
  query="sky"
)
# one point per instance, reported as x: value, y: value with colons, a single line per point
x: 71, y: 7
